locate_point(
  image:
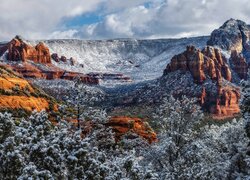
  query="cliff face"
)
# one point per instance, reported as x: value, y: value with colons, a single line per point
x: 208, y: 62
x: 221, y: 100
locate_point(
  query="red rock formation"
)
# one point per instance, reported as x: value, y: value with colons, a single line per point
x: 222, y: 103
x: 15, y: 50
x: 122, y: 124
x: 18, y: 50
x: 222, y: 100
x: 28, y: 70
x: 239, y: 64
x: 84, y: 78
x: 209, y: 62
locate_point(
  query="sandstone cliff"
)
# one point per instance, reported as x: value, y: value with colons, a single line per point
x: 202, y: 64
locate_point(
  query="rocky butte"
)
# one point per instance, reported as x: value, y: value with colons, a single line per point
x: 19, y: 50
x: 221, y: 100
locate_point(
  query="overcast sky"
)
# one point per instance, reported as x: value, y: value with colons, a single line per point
x: 103, y: 19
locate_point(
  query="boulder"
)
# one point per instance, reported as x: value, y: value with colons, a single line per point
x: 55, y: 57
x: 63, y: 59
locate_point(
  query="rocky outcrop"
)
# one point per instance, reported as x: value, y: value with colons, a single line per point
x: 84, y: 78
x: 239, y: 64
x: 72, y: 61
x: 18, y: 50
x: 36, y: 62
x: 122, y: 125
x: 202, y: 64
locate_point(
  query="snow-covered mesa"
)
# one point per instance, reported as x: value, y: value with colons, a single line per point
x: 139, y: 59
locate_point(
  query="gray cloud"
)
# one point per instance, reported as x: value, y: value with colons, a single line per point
x: 39, y: 18
x: 35, y: 19
x: 168, y: 18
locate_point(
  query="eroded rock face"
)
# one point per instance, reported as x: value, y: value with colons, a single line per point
x: 123, y: 124
x: 208, y: 62
x: 239, y: 64
x: 18, y: 50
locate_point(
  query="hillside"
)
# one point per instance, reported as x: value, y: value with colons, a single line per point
x: 19, y: 96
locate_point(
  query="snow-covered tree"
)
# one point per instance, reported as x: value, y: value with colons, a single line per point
x: 178, y: 120
x: 82, y: 97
